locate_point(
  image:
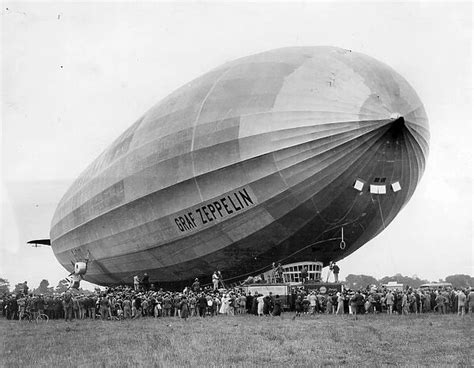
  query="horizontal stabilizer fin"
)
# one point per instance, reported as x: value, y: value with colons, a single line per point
x: 40, y: 242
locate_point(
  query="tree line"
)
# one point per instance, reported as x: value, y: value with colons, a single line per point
x: 362, y: 281
x: 43, y: 287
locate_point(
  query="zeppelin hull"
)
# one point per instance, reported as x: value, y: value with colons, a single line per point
x: 253, y: 163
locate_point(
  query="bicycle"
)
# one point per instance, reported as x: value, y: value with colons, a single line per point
x: 28, y: 317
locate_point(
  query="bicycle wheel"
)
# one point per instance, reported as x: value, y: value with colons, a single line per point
x: 26, y: 317
x: 42, y: 318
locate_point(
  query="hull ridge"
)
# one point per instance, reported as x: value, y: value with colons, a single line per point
x: 264, y: 159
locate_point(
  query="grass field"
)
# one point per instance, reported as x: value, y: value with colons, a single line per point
x: 242, y: 341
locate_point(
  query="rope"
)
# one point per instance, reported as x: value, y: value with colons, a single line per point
x: 282, y: 259
x: 381, y: 214
x: 332, y: 223
x: 291, y: 255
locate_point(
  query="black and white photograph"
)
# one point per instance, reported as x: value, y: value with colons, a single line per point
x: 236, y: 184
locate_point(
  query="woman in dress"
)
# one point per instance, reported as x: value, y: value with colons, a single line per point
x: 224, y: 305
x: 260, y: 301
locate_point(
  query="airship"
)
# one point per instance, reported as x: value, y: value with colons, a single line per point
x: 294, y: 154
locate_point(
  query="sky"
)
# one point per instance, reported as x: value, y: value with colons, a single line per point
x: 76, y: 75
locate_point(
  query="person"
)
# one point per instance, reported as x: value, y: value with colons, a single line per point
x: 248, y: 280
x: 224, y: 304
x: 196, y: 285
x: 279, y: 272
x: 440, y: 301
x: 389, y: 299
x: 405, y: 304
x: 329, y: 304
x: 335, y: 270
x: 461, y: 302
x: 298, y: 306
x: 304, y: 274
x: 136, y: 307
x: 104, y: 307
x: 249, y: 303
x: 25, y: 288
x: 176, y: 301
x: 167, y: 305
x: 231, y: 309
x: 221, y: 279
x: 158, y: 309
x: 91, y: 302
x: 40, y: 304
x: 260, y: 301
x: 242, y: 303
x: 68, y: 306
x: 21, y: 306
x: 215, y: 280
x: 146, y: 282
x: 184, y: 308
x: 202, y: 305
x: 312, y: 302
x: 354, y: 303
x: 216, y: 303
x: 136, y: 282
x: 58, y: 308
x: 276, y: 306
x: 470, y: 301
x: 33, y: 302
x: 254, y: 307
x: 210, y: 305
x: 145, y: 306
x: 340, y: 303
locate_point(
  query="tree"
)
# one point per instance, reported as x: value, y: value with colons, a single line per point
x: 18, y: 288
x: 356, y: 282
x: 44, y: 288
x: 4, y: 286
x: 414, y: 281
x: 62, y: 286
x: 460, y: 281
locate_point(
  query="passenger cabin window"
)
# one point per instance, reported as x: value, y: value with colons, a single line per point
x: 396, y: 186
x: 377, y: 189
x: 359, y: 185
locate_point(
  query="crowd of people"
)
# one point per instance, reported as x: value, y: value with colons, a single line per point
x: 145, y: 300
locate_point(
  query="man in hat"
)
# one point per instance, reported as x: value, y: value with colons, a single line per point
x: 335, y: 271
x: 461, y: 298
x: 196, y: 285
x: 279, y: 273
x: 215, y: 280
x: 146, y: 282
x: 136, y: 282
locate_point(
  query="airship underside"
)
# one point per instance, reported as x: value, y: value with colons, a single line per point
x: 276, y: 157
